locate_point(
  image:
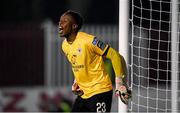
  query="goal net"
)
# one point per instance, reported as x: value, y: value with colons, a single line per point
x: 150, y: 58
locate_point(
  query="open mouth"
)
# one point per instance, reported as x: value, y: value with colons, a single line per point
x: 60, y: 30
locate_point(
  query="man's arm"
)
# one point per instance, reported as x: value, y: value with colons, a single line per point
x: 118, y: 62
x: 120, y: 69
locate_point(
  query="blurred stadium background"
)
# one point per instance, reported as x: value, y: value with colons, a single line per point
x: 34, y: 75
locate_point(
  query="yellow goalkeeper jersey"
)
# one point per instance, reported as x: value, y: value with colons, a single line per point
x: 85, y: 56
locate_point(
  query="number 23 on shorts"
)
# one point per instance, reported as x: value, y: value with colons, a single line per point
x: 101, y: 107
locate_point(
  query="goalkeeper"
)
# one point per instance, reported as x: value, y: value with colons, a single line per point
x: 85, y: 52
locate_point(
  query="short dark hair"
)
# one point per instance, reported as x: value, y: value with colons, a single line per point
x: 77, y: 17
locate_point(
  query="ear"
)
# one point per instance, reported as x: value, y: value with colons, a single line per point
x: 75, y: 26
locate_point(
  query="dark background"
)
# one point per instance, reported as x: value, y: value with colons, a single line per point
x: 93, y: 11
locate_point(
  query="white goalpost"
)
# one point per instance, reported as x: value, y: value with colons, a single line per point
x: 174, y: 56
x: 123, y: 40
x: 149, y: 37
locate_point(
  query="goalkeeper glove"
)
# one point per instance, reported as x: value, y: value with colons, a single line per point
x: 122, y: 90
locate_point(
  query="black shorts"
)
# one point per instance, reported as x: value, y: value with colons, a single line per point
x: 97, y: 103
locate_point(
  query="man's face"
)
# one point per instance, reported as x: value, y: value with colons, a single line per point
x: 65, y: 25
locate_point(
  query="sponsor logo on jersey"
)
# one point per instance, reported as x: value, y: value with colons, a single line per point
x: 95, y: 41
x: 73, y: 59
x: 101, y: 45
x: 75, y: 65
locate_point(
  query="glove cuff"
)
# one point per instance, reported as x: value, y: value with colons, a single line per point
x: 121, y: 85
x: 119, y: 81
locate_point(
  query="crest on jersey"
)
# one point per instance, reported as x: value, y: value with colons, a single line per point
x: 79, y: 50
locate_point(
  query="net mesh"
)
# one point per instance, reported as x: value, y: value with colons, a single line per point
x: 150, y: 55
